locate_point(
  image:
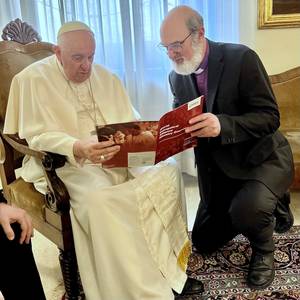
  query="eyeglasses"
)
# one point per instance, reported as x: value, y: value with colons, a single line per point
x: 176, y: 46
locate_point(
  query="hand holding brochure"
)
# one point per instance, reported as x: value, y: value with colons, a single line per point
x: 144, y: 143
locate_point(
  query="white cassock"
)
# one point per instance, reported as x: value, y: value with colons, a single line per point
x: 130, y: 230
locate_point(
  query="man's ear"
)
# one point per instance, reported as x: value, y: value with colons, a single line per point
x: 56, y: 49
x: 201, y: 32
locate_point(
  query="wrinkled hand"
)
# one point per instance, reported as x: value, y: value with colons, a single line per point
x: 9, y: 215
x: 94, y: 151
x: 204, y: 125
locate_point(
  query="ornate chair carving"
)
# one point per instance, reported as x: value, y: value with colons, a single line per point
x: 286, y: 87
x: 50, y: 213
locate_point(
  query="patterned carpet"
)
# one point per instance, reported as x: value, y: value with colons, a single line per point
x: 224, y: 272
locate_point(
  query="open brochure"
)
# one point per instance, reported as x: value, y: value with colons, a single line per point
x: 145, y: 143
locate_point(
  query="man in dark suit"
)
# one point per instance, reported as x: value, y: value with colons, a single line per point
x: 19, y: 278
x: 244, y: 163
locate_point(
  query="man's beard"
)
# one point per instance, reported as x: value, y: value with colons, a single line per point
x: 190, y: 66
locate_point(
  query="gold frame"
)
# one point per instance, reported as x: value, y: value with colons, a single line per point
x: 266, y: 18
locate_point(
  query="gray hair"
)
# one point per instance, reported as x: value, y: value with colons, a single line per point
x: 194, y: 22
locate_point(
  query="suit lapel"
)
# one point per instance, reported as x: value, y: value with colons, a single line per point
x: 189, y: 88
x: 215, y: 67
x: 193, y: 87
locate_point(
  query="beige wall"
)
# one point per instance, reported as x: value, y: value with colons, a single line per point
x: 279, y: 48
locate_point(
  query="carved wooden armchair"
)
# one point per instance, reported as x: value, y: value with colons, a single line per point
x: 50, y: 213
x: 286, y: 87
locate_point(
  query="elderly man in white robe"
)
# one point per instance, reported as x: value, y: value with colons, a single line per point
x: 130, y: 232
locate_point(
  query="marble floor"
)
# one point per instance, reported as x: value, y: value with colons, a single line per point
x: 46, y: 253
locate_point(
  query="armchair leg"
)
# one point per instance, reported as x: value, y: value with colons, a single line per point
x: 71, y: 277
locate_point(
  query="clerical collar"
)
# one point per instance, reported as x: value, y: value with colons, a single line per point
x: 204, y: 62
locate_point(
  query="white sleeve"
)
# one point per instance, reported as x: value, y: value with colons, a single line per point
x: 57, y: 142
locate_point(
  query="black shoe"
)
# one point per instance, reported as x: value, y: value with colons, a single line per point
x: 191, y: 287
x: 261, y: 270
x: 283, y: 214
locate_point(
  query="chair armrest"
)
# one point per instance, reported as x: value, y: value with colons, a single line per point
x: 57, y: 197
x: 21, y: 146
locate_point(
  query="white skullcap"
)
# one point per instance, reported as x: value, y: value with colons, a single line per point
x: 73, y: 26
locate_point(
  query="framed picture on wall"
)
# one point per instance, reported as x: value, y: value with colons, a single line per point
x: 278, y: 13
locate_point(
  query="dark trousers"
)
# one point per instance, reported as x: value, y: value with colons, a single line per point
x: 234, y: 207
x: 19, y: 277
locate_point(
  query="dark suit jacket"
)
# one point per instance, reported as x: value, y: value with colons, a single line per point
x: 250, y: 146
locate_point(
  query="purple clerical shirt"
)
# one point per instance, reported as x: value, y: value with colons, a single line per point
x: 201, y: 74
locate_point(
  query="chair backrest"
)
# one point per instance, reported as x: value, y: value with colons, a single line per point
x: 20, y: 48
x: 286, y: 87
x: 20, y: 32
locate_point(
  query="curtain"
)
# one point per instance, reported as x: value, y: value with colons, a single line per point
x: 127, y: 34
x: 9, y: 10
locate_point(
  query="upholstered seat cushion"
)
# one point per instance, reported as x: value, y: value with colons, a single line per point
x: 24, y: 195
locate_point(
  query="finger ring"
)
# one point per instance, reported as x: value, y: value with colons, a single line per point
x: 102, y: 157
